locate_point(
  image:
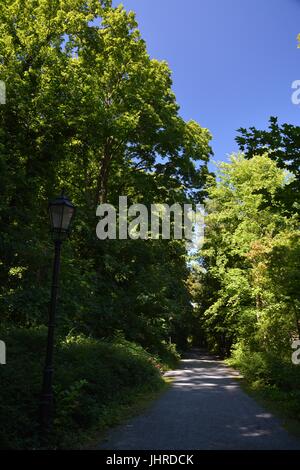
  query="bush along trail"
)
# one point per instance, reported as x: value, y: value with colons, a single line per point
x: 97, y: 385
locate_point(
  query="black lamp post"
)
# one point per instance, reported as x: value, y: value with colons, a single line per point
x: 61, y: 212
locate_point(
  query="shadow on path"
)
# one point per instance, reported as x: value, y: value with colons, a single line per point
x: 204, y: 409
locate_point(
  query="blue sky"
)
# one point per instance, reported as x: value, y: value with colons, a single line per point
x: 233, y: 61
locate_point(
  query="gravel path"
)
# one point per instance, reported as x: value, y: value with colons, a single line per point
x: 205, y: 408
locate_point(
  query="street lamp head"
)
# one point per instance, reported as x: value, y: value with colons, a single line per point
x: 61, y: 212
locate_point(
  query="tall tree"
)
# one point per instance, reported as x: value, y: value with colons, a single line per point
x: 88, y: 109
x: 249, y: 275
x: 282, y: 142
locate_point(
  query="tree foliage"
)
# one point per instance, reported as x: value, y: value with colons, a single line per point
x: 88, y: 110
x: 282, y: 142
x: 249, y: 290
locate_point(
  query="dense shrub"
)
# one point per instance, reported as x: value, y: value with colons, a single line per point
x: 277, y: 378
x: 92, y: 378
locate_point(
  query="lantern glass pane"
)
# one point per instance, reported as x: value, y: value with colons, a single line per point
x: 56, y: 216
x: 67, y: 217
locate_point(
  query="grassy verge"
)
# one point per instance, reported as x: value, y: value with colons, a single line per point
x: 119, y: 413
x: 97, y: 385
x: 279, y: 405
x: 272, y: 382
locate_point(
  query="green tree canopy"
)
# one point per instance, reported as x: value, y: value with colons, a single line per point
x: 89, y: 110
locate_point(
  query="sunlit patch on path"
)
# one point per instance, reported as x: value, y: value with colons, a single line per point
x: 204, y: 409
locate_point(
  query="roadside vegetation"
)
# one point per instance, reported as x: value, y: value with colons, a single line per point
x: 98, y: 383
x: 246, y: 286
x: 88, y: 110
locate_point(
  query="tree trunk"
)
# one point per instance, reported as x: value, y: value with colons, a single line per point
x: 102, y: 183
